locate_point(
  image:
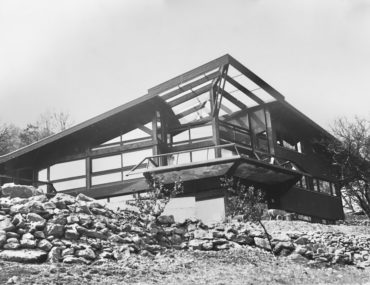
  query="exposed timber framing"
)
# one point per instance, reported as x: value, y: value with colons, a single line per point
x: 191, y: 110
x: 244, y: 90
x: 190, y: 95
x: 190, y: 86
x: 233, y: 100
x: 256, y: 79
x: 214, y: 64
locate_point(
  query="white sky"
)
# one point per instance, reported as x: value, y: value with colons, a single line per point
x: 86, y: 57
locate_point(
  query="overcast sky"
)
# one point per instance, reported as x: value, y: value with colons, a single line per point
x: 86, y: 57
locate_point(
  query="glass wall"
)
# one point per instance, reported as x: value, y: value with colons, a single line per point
x: 190, y: 135
x: 259, y: 128
x: 115, y: 168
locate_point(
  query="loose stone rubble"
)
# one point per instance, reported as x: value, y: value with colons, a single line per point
x: 63, y: 228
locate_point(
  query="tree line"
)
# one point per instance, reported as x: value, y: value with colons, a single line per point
x: 48, y: 123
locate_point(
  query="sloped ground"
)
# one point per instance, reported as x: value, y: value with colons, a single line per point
x: 279, y: 226
x: 243, y: 266
x: 105, y: 248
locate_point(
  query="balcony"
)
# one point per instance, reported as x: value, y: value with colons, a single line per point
x: 216, y: 161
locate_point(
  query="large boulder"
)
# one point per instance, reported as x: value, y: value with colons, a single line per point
x: 22, y: 191
x: 166, y: 220
x: 6, y: 224
x: 2, y: 238
x: 202, y: 234
x: 24, y: 255
x: 262, y: 243
x: 87, y: 253
x: 84, y: 198
x: 62, y: 199
x: 54, y: 230
x: 45, y: 245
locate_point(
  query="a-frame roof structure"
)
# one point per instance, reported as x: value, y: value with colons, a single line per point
x: 223, y: 82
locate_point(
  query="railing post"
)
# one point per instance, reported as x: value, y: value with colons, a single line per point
x: 88, y: 172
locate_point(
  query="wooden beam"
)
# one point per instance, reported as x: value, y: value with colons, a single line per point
x: 155, y: 119
x: 221, y: 86
x: 119, y: 149
x: 88, y: 172
x: 190, y: 85
x: 189, y: 75
x: 256, y: 79
x: 244, y: 90
x: 191, y: 110
x: 227, y: 110
x: 233, y: 100
x: 270, y: 134
x: 145, y: 129
x: 190, y: 95
x: 192, y: 146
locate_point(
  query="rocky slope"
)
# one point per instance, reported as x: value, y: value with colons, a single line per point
x: 63, y: 228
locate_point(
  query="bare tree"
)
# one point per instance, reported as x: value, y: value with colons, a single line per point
x: 248, y: 202
x: 49, y: 123
x: 350, y: 152
x: 9, y: 140
x: 54, y: 121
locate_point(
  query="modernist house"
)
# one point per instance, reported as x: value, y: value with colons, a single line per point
x: 217, y: 119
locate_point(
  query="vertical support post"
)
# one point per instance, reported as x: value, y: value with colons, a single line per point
x: 48, y: 174
x: 157, y: 134
x: 88, y: 172
x: 269, y: 132
x: 251, y: 131
x: 214, y: 93
x: 215, y: 125
x: 34, y: 178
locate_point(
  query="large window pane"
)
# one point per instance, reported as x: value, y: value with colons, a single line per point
x: 240, y: 122
x: 106, y: 163
x: 68, y: 169
x: 71, y: 184
x: 42, y: 175
x: 201, y: 132
x: 106, y: 178
x: 204, y: 154
x: 134, y: 157
x: 179, y: 158
x: 183, y: 136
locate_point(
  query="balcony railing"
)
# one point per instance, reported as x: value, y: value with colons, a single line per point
x: 184, y: 157
x: 209, y: 153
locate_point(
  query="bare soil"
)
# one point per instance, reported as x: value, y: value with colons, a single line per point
x: 243, y: 266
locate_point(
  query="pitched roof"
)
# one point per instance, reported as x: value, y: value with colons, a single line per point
x: 182, y: 97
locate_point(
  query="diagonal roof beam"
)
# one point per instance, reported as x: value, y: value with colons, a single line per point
x: 191, y: 110
x: 226, y: 109
x: 191, y: 85
x: 256, y: 79
x: 189, y: 75
x: 188, y: 96
x: 145, y: 129
x: 233, y: 100
x: 244, y: 90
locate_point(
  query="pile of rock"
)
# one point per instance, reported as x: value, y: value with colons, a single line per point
x: 63, y: 228
x: 313, y: 247
x: 35, y: 228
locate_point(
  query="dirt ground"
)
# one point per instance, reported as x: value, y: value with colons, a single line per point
x: 243, y: 266
x: 284, y: 226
